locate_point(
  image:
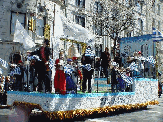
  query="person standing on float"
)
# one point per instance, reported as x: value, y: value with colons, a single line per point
x: 42, y: 66
x: 88, y: 69
x: 105, y: 60
x: 59, y: 78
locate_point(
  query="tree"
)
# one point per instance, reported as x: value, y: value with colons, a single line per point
x: 113, y: 18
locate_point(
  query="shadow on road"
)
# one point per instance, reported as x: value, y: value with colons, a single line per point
x: 42, y: 118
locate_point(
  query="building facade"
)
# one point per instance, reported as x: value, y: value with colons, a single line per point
x: 34, y: 16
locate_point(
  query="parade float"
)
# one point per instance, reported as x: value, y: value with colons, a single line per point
x: 57, y: 106
x: 144, y: 92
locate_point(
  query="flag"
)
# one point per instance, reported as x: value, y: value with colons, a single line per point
x: 126, y: 78
x: 51, y: 63
x: 16, y: 71
x: 34, y: 57
x: 87, y: 67
x: 157, y: 35
x: 133, y: 66
x: 4, y: 63
x: 151, y: 60
x: 68, y: 69
x: 89, y: 52
x: 22, y: 36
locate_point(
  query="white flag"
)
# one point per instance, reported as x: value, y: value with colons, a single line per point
x: 4, y: 63
x: 22, y: 36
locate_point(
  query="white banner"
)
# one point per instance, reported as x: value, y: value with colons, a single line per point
x: 22, y: 36
x: 4, y: 63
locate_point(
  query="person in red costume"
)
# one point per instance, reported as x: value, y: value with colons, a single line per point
x: 60, y: 79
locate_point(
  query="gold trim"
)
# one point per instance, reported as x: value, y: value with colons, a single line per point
x: 83, y: 112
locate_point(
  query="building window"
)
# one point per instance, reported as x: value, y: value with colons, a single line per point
x: 158, y: 9
x: 77, y: 19
x: 40, y: 27
x: 159, y: 25
x: 82, y: 21
x: 98, y: 8
x: 14, y: 17
x: 140, y: 24
x: 77, y: 3
x: 153, y: 22
x: 129, y: 34
x: 139, y: 7
x: 129, y: 3
x: 80, y: 3
x: 153, y: 7
x: 98, y: 29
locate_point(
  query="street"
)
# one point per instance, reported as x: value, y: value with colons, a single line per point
x: 150, y: 114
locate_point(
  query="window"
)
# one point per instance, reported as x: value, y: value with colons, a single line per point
x: 158, y: 9
x: 140, y: 22
x: 158, y: 25
x: 129, y: 3
x: 14, y: 17
x: 139, y: 7
x: 77, y: 2
x: 77, y: 19
x: 98, y: 29
x: 141, y: 27
x: 82, y: 21
x: 80, y: 3
x: 40, y: 27
x: 153, y: 22
x: 98, y: 8
x: 153, y: 7
x: 129, y: 34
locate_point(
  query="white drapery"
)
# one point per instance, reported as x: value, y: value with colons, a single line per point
x: 22, y: 36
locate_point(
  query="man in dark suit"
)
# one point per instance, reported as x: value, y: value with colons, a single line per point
x: 105, y: 60
x: 88, y: 69
x: 42, y: 67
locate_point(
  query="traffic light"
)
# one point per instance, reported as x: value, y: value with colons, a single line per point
x: 30, y: 24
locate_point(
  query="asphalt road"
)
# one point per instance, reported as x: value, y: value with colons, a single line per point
x: 153, y: 113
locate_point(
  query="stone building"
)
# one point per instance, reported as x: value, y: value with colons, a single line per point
x: 40, y: 12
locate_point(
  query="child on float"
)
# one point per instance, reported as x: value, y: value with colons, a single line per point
x: 71, y: 86
x: 114, y: 82
x: 76, y: 73
x: 59, y: 78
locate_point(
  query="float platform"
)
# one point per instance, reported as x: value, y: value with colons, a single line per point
x: 57, y: 106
